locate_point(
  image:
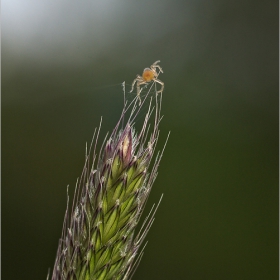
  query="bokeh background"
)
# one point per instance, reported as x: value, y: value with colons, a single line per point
x: 63, y: 63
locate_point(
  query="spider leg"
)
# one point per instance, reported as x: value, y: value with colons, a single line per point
x: 155, y: 63
x: 137, y: 79
x: 139, y: 83
x: 161, y: 83
x: 155, y: 68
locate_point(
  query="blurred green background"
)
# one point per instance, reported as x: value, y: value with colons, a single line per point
x: 63, y: 63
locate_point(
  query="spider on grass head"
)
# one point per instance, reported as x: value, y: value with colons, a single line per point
x: 149, y: 74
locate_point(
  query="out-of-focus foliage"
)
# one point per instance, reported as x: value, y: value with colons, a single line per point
x: 63, y: 63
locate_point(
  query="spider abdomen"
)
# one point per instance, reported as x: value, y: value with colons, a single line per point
x: 148, y: 75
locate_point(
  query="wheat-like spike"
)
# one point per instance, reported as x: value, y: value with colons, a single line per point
x: 98, y: 239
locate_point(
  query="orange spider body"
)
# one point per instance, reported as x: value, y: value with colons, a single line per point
x: 149, y: 74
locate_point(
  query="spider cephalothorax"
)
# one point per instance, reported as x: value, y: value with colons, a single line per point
x: 149, y: 74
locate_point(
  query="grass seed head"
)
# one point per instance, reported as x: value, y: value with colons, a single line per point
x: 98, y: 239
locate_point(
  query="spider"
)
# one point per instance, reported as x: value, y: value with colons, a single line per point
x: 149, y: 74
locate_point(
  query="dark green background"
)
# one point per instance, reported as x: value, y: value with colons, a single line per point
x: 62, y: 66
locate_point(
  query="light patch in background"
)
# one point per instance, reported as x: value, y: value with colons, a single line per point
x: 40, y: 29
x: 73, y: 32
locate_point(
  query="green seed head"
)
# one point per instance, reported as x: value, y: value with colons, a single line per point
x: 99, y: 240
